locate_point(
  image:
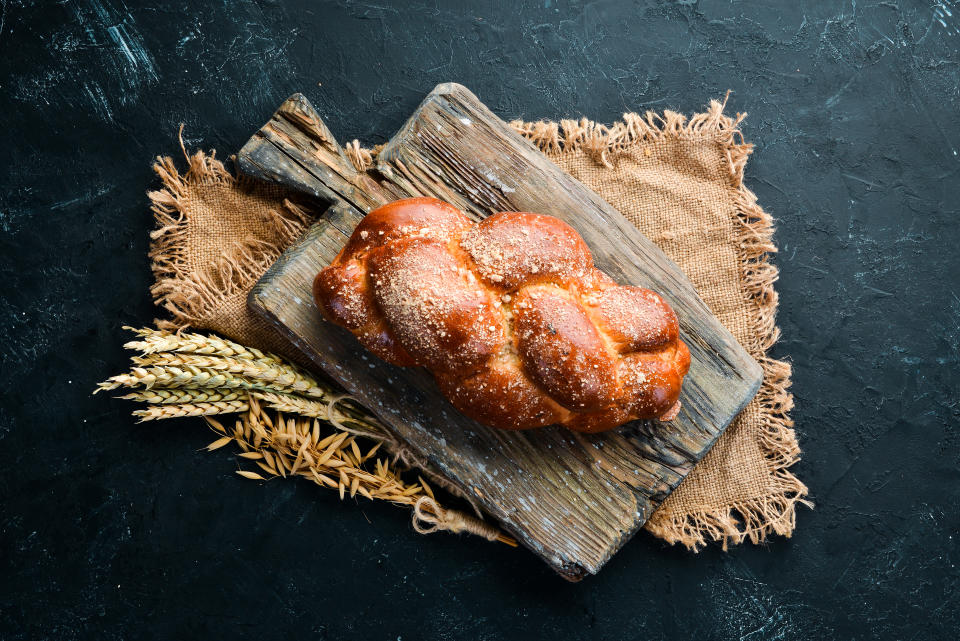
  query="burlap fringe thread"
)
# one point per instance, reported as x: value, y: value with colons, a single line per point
x: 186, y: 294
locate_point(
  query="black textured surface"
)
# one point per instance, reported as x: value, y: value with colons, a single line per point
x: 111, y: 530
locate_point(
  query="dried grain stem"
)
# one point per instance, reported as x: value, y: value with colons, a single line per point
x: 295, y: 446
x: 157, y: 412
x: 157, y: 340
x: 182, y: 396
x: 279, y: 376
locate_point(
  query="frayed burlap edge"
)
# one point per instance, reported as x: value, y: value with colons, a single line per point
x: 774, y: 513
x: 189, y: 294
x: 603, y: 142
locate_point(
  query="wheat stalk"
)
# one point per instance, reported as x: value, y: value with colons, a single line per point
x: 174, y: 404
x: 157, y: 412
x: 339, y: 414
x: 193, y: 377
x: 155, y: 340
x: 175, y: 377
x: 279, y: 376
x: 184, y: 396
x: 295, y: 404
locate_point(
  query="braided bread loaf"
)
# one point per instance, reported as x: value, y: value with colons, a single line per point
x: 511, y: 317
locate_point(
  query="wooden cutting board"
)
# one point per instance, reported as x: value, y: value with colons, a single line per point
x: 573, y: 499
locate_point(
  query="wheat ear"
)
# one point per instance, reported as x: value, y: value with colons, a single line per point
x: 157, y: 412
x: 184, y: 395
x: 155, y: 340
x: 279, y: 376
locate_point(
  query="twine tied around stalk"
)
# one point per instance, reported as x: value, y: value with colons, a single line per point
x: 429, y: 517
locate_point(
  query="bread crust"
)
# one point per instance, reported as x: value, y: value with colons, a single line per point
x: 518, y: 327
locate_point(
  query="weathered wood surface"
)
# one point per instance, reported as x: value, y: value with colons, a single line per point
x: 573, y: 499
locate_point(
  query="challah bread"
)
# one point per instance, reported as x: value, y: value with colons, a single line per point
x: 518, y: 327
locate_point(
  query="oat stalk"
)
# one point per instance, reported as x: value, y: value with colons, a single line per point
x: 298, y: 446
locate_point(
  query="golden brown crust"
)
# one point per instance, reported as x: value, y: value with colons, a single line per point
x: 501, y: 396
x: 561, y: 349
x: 510, y: 315
x: 516, y: 248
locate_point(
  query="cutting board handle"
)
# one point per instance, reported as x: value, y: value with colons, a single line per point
x: 296, y: 149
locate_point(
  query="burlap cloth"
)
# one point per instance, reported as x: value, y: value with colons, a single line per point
x: 679, y: 180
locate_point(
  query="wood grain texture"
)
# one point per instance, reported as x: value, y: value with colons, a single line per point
x: 574, y: 499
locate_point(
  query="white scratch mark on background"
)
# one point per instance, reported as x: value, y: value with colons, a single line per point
x: 133, y: 49
x: 130, y: 46
x: 124, y: 63
x: 99, y: 100
x: 3, y: 17
x: 113, y: 29
x: 87, y: 197
x: 943, y: 14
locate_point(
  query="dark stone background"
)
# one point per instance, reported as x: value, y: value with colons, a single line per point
x: 115, y: 530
